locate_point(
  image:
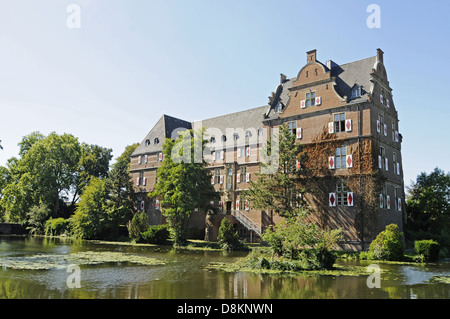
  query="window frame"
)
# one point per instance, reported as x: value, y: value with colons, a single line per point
x: 339, y: 124
x: 310, y: 98
x: 341, y: 194
x: 340, y: 159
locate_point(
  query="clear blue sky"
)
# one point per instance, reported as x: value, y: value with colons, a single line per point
x: 109, y: 81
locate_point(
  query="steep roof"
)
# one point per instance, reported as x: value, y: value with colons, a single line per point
x: 165, y: 127
x: 349, y: 74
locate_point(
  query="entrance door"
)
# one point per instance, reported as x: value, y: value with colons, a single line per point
x: 228, y: 208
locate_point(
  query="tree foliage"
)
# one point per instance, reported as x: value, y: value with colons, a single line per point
x: 280, y: 191
x: 184, y: 184
x: 428, y: 207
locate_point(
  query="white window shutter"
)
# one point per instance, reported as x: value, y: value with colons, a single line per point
x: 239, y: 152
x: 349, y: 161
x: 302, y: 104
x: 331, y: 128
x: 220, y: 204
x: 237, y: 205
x: 386, y: 161
x: 247, y: 177
x: 238, y: 178
x: 146, y: 159
x: 332, y: 199
x: 221, y: 179
x: 247, y: 151
x: 378, y: 126
x: 381, y: 99
x: 299, y: 133
x: 157, y: 204
x: 381, y: 201
x: 222, y: 155
x: 350, y: 199
x: 348, y: 125
x: 139, y: 160
x: 388, y: 104
x: 318, y: 100
x: 247, y: 206
x: 380, y: 162
x: 145, y: 181
x: 385, y: 130
x: 388, y: 202
x: 297, y: 165
x: 399, y: 204
x: 331, y: 162
x: 398, y: 168
x: 138, y: 181
x: 212, y: 180
x: 397, y: 136
x: 160, y: 157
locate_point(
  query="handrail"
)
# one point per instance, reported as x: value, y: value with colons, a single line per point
x: 247, y: 222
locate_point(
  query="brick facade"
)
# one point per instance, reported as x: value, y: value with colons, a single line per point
x: 347, y: 120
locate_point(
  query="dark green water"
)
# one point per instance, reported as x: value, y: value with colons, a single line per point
x: 184, y: 276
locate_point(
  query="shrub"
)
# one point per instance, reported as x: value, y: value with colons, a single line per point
x: 138, y: 225
x: 57, y: 227
x: 158, y: 235
x: 388, y: 245
x: 228, y: 237
x: 428, y: 248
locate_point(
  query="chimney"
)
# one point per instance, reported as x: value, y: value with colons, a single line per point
x: 380, y: 55
x: 282, y: 78
x: 311, y: 56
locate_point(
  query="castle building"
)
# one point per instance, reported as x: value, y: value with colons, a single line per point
x: 345, y: 117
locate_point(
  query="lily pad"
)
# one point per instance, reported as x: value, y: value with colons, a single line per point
x: 57, y: 261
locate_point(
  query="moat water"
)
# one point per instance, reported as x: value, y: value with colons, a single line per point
x: 184, y: 276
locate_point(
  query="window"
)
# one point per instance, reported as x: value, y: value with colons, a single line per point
x: 310, y: 99
x: 394, y: 160
x: 260, y: 132
x: 341, y: 156
x: 212, y: 139
x: 341, y: 194
x: 217, y: 176
x: 380, y: 123
x: 396, y: 198
x: 278, y: 108
x: 235, y: 136
x: 243, y: 173
x: 339, y: 122
x: 393, y: 131
x: 292, y: 127
x: 248, y: 134
x: 224, y: 138
x: 381, y: 158
x: 156, y: 141
x: 383, y: 198
x: 356, y: 92
x: 147, y: 142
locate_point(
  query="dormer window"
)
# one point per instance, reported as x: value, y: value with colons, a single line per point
x: 224, y: 138
x: 235, y: 136
x: 278, y: 108
x: 356, y: 92
x: 156, y: 141
x: 248, y: 134
x: 147, y: 142
x: 212, y: 139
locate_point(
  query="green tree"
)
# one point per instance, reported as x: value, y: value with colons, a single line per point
x: 388, y: 245
x: 280, y: 191
x: 91, y: 220
x: 183, y: 184
x: 428, y: 207
x: 228, y: 237
x: 94, y: 162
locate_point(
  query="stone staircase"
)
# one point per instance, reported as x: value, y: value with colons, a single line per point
x: 247, y: 222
